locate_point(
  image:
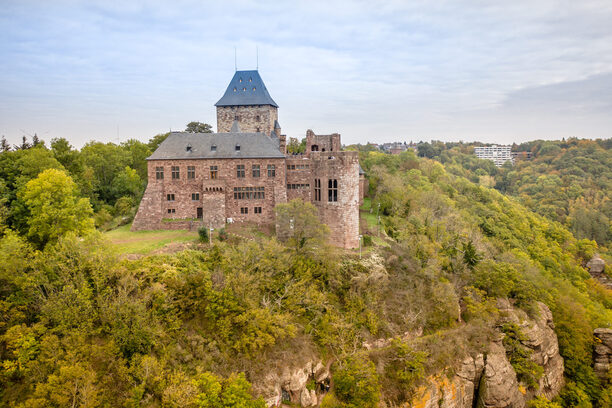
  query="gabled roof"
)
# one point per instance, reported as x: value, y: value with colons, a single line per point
x: 183, y: 145
x: 246, y: 88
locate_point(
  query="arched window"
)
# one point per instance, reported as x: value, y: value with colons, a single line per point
x: 314, y: 148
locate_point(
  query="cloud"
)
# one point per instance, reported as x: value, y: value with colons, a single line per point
x: 373, y: 71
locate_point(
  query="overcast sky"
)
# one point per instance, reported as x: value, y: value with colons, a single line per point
x: 373, y: 71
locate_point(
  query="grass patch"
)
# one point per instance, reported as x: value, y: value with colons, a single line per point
x: 144, y: 242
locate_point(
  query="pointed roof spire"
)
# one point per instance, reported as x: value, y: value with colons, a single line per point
x: 235, y: 127
x: 246, y: 88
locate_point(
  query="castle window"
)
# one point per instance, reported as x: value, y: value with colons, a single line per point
x: 249, y: 193
x: 171, y: 210
x: 170, y: 197
x: 257, y: 130
x: 176, y: 174
x: 253, y: 88
x: 234, y: 89
x: 188, y: 148
x: 332, y: 190
x: 159, y: 173
x: 195, y: 196
x: 213, y: 148
x: 314, y: 148
x: 214, y: 171
x: 240, y: 79
x: 190, y: 172
x: 244, y: 210
x: 257, y: 118
x: 236, y: 117
x: 240, y: 171
x: 237, y: 147
x: 250, y: 79
x: 271, y: 170
x: 255, y: 169
x: 257, y: 210
x: 244, y: 89
x: 317, y: 190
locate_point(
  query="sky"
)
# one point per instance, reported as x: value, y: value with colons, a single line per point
x: 373, y: 71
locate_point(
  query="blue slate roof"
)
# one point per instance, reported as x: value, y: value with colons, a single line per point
x: 183, y: 145
x: 246, y: 88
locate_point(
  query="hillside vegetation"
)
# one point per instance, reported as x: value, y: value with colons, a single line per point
x: 83, y: 327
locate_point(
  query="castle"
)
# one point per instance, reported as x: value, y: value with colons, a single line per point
x: 241, y: 172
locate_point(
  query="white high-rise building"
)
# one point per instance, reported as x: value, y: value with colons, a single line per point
x: 497, y: 154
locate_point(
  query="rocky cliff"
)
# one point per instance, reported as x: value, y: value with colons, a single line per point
x: 602, y: 355
x: 483, y: 380
x: 489, y: 380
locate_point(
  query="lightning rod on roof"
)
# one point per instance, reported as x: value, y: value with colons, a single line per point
x: 235, y: 60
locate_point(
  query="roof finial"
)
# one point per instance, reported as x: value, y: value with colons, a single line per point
x: 257, y: 53
x: 235, y: 60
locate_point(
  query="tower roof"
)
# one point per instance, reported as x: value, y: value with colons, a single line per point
x: 246, y: 88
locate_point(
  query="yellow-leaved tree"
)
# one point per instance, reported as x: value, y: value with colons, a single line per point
x: 55, y: 207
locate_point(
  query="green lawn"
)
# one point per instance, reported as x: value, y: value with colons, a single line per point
x: 145, y: 242
x: 366, y: 215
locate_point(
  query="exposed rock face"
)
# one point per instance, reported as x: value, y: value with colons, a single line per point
x: 542, y: 341
x: 602, y: 355
x: 498, y: 385
x: 292, y: 385
x: 483, y: 381
x: 490, y: 381
x: 597, y: 268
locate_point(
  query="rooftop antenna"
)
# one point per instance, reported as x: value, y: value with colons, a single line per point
x: 257, y: 53
x: 235, y: 60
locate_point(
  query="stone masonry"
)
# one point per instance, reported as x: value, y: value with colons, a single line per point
x: 211, y: 180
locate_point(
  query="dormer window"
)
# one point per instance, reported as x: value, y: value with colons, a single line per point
x: 250, y: 79
x: 244, y: 89
x: 213, y: 148
x: 188, y: 148
x: 234, y: 89
x: 237, y: 147
x: 253, y: 89
x: 240, y: 79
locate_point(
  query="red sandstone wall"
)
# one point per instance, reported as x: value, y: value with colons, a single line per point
x: 247, y: 118
x: 342, y: 216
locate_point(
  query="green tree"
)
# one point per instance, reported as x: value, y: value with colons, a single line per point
x: 55, y: 208
x: 198, y: 127
x: 156, y: 140
x: 356, y: 383
x: 298, y: 225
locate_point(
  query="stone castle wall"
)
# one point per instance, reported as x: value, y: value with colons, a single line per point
x: 256, y: 118
x: 215, y: 196
x: 341, y: 216
x: 322, y: 143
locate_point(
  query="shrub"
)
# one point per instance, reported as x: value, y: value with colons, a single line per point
x: 367, y: 240
x: 203, y: 234
x: 222, y: 234
x: 356, y: 383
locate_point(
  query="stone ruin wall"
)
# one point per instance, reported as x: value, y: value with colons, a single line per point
x: 342, y: 216
x: 247, y: 118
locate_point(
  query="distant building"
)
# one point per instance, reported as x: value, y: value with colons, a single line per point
x: 397, y: 147
x: 497, y: 154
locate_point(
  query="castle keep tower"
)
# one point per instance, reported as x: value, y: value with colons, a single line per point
x: 247, y: 101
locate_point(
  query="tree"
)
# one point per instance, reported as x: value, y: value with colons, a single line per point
x: 156, y: 140
x: 198, y: 127
x: 298, y: 225
x: 295, y: 146
x: 4, y: 146
x: 55, y: 207
x: 356, y: 384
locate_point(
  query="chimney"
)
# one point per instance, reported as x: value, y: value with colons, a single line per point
x: 282, y: 143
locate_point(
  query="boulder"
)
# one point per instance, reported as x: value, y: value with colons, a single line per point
x: 498, y: 386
